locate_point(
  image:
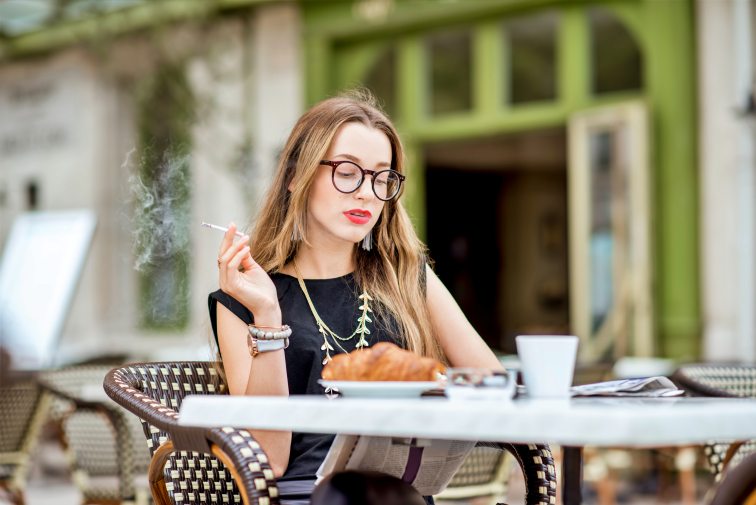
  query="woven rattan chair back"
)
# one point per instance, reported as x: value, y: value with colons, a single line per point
x: 720, y: 381
x: 191, y: 476
x: 105, y: 443
x: 170, y: 383
x: 484, y: 474
x: 23, y: 409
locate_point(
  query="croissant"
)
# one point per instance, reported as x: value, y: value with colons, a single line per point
x: 382, y: 362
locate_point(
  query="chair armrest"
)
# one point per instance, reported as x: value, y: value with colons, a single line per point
x: 125, y: 390
x: 738, y: 484
x: 697, y: 387
x: 241, y: 455
x: 537, y: 465
x: 235, y: 448
x: 247, y: 461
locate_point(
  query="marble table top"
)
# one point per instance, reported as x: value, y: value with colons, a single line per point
x: 632, y: 422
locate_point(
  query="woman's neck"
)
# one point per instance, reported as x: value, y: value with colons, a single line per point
x: 320, y: 264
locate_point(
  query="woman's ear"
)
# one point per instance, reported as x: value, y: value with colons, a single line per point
x: 292, y: 183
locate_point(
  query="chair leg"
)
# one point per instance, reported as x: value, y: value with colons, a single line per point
x: 15, y: 496
x: 607, y: 490
x: 685, y: 464
x: 731, y: 450
x: 156, y: 476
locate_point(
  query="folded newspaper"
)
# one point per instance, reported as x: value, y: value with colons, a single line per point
x: 428, y: 465
x: 646, y: 387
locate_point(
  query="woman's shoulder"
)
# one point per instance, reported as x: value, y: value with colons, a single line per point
x: 283, y: 283
x: 288, y: 279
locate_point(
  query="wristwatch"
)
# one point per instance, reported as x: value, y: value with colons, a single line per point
x: 256, y: 346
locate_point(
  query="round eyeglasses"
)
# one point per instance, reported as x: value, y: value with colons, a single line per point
x: 348, y: 176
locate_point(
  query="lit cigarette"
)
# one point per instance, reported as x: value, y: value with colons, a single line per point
x: 221, y: 228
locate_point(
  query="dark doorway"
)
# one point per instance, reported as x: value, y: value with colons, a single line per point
x: 497, y: 230
x: 463, y: 223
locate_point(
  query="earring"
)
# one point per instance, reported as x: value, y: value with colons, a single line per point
x: 367, y: 242
x: 296, y: 236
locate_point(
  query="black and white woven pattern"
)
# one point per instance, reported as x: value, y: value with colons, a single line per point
x: 537, y: 464
x: 719, y: 381
x: 155, y: 391
x: 478, y: 468
x: 23, y: 409
x: 104, y: 441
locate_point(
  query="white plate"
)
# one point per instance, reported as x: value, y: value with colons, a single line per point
x: 379, y: 389
x: 485, y: 393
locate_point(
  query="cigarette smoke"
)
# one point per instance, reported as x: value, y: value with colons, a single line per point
x: 161, y: 208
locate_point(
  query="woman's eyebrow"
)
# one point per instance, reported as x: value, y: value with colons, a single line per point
x: 358, y: 161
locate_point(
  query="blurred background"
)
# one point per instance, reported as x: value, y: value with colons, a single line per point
x: 575, y: 166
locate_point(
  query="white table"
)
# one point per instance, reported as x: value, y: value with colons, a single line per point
x: 569, y: 423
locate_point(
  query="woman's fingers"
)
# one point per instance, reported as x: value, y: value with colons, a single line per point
x: 226, y: 256
x: 248, y: 263
x: 234, y: 248
x: 236, y: 260
x: 228, y: 239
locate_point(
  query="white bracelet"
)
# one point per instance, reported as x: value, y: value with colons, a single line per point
x: 256, y: 346
x: 269, y: 332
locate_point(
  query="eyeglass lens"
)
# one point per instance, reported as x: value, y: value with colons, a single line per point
x: 347, y: 177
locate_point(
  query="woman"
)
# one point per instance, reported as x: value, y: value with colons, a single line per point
x: 333, y: 256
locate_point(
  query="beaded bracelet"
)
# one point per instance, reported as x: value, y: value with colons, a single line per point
x: 270, y: 332
x: 257, y: 346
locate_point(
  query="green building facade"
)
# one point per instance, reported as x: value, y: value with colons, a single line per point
x: 551, y: 147
x: 488, y: 96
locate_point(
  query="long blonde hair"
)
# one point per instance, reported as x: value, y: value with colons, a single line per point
x: 393, y: 269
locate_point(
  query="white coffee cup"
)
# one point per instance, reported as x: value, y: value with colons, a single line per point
x: 547, y: 363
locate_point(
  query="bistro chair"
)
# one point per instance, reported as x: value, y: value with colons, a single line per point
x: 23, y: 410
x: 104, y: 442
x: 484, y: 474
x: 738, y: 485
x: 720, y: 381
x: 226, y: 465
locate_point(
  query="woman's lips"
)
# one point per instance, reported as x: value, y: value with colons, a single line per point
x: 358, y: 216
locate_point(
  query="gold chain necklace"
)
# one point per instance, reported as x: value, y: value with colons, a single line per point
x: 323, y: 328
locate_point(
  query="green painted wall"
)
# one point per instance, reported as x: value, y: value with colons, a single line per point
x: 98, y: 26
x: 663, y: 30
x: 672, y: 94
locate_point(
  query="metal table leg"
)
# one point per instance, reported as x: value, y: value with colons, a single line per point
x: 572, y: 475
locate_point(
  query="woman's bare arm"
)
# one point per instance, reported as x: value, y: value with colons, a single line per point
x: 264, y: 375
x: 459, y: 340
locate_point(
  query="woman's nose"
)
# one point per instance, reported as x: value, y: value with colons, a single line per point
x: 365, y: 190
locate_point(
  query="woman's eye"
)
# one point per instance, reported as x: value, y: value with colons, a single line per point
x: 346, y: 175
x: 381, y: 182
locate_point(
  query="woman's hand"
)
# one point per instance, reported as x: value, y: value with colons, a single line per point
x: 242, y: 278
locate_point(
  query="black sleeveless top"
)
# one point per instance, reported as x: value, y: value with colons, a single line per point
x: 338, y: 306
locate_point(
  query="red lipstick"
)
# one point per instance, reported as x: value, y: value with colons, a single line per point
x: 358, y: 216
